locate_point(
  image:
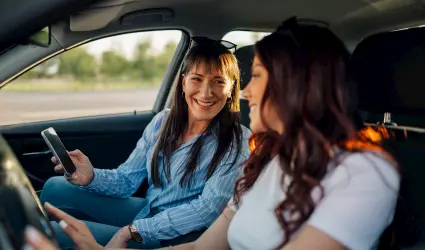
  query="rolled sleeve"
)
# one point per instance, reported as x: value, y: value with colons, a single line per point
x: 126, y: 179
x: 95, y: 182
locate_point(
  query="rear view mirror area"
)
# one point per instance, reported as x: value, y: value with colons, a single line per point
x: 41, y: 38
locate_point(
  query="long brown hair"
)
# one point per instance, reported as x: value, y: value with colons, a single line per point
x: 308, y: 77
x: 227, y: 121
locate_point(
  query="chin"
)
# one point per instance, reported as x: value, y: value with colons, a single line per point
x: 256, y: 128
x: 204, y: 117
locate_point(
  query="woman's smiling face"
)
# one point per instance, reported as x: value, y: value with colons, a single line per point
x: 206, y: 91
x: 254, y: 93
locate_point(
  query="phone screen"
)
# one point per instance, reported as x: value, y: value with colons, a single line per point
x: 58, y: 149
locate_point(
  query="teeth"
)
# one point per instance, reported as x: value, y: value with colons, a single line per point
x: 205, y: 104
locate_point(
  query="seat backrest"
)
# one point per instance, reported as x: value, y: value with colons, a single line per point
x: 245, y: 55
x: 388, y: 69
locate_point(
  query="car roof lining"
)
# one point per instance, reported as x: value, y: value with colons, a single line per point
x: 352, y: 20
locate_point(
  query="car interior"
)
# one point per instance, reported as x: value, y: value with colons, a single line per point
x: 385, y: 37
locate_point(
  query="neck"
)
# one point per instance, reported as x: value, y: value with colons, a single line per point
x: 195, y: 127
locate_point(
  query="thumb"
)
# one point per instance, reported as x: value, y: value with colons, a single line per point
x: 76, y: 153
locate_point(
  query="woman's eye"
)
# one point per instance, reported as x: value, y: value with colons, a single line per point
x: 196, y: 79
x: 220, y: 82
x: 255, y: 75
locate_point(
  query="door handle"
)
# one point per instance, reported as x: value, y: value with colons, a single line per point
x: 37, y: 153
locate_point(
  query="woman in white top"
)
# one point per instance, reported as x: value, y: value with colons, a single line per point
x: 311, y: 182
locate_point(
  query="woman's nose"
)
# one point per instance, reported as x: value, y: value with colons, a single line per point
x: 246, y: 92
x: 206, y: 89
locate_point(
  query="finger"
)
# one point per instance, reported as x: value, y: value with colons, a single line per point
x: 76, y: 153
x: 54, y: 160
x: 59, y: 169
x: 61, y: 215
x: 73, y: 178
x: 70, y: 231
x: 36, y: 240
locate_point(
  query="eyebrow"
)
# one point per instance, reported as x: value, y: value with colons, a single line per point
x: 220, y: 77
x: 256, y: 65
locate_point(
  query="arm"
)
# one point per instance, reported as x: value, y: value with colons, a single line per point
x: 198, y: 214
x: 359, y: 205
x: 126, y: 179
x: 214, y: 238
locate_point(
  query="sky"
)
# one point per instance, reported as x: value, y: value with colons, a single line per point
x: 127, y: 42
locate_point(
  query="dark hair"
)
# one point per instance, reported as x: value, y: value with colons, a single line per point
x: 227, y: 121
x: 307, y: 80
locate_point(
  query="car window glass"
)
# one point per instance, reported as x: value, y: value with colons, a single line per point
x: 242, y: 38
x: 111, y: 75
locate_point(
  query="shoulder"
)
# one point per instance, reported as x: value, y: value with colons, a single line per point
x: 360, y: 196
x: 369, y: 168
x: 246, y: 133
x: 159, y: 119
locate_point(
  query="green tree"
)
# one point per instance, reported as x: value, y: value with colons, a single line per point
x: 43, y: 70
x: 77, y: 63
x: 113, y: 64
x: 143, y: 65
x: 164, y: 58
x: 151, y: 67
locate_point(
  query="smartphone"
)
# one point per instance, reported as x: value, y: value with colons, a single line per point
x: 58, y: 149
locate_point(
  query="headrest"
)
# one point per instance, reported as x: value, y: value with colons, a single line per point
x: 389, y: 69
x: 245, y: 55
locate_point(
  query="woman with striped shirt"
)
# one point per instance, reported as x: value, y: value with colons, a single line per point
x: 189, y: 155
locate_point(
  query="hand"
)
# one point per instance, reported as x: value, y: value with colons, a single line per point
x: 75, y: 229
x: 37, y: 241
x: 84, y: 173
x: 120, y: 239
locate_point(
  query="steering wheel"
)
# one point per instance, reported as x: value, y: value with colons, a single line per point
x: 19, y: 203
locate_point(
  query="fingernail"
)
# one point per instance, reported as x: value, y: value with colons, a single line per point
x: 27, y: 247
x: 48, y: 204
x: 32, y: 234
x: 63, y: 224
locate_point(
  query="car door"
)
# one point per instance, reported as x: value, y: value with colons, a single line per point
x: 99, y: 97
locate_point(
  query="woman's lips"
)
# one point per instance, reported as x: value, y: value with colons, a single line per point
x: 204, y: 104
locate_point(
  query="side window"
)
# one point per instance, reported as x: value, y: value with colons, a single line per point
x: 242, y: 38
x: 111, y: 75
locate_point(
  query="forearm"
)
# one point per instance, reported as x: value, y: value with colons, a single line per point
x: 187, y: 246
x: 173, y: 222
x: 113, y: 183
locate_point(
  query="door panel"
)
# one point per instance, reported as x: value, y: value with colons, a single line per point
x: 106, y: 140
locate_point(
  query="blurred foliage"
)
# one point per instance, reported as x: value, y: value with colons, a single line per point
x: 77, y: 63
x: 144, y: 65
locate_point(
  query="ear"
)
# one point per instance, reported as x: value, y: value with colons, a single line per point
x: 183, y: 82
x: 230, y: 91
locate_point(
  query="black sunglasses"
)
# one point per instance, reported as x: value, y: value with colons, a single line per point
x: 202, y: 39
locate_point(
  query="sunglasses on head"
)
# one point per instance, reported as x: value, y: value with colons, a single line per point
x: 288, y: 28
x: 202, y: 39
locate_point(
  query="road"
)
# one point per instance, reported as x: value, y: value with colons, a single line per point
x: 24, y: 107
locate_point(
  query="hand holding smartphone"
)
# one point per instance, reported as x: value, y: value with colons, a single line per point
x: 58, y: 149
x: 78, y: 170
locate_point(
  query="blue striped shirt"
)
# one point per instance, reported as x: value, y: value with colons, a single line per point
x: 181, y: 209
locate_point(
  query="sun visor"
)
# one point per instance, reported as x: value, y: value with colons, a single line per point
x: 94, y: 19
